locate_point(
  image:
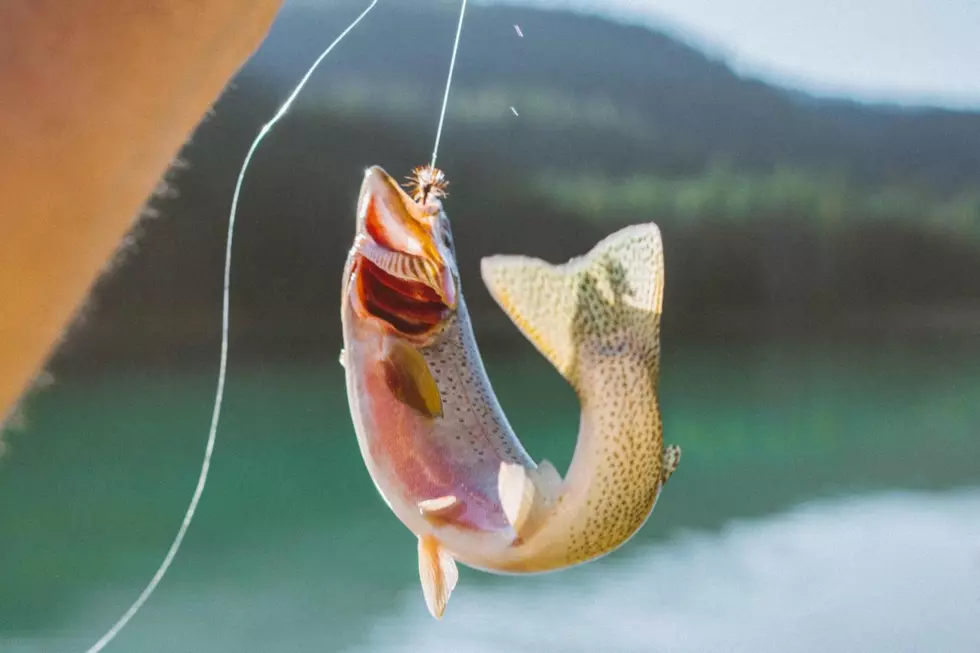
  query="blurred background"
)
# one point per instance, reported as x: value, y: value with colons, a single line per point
x: 815, y: 170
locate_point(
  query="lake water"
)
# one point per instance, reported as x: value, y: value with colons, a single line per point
x: 828, y: 500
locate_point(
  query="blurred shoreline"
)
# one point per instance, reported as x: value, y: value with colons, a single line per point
x: 103, y: 346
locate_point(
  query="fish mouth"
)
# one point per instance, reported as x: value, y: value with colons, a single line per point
x: 403, y: 266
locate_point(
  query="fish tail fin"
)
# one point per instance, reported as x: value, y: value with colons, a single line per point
x: 608, y: 298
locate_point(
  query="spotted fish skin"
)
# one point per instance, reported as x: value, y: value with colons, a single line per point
x: 450, y: 466
x: 597, y: 319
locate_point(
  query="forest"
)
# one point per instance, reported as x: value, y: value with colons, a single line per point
x: 783, y: 214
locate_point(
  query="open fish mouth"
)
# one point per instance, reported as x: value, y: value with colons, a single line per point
x: 405, y: 272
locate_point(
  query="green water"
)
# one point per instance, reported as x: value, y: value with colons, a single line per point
x: 292, y: 549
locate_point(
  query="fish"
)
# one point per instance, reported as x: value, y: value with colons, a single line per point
x: 434, y: 438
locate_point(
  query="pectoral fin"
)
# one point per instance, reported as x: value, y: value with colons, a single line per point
x: 526, y: 495
x: 438, y: 573
x: 410, y: 380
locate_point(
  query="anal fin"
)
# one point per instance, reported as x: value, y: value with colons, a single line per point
x: 526, y: 495
x: 671, y: 459
x: 438, y: 573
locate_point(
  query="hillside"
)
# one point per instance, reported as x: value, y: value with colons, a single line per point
x: 656, y: 102
x: 780, y: 212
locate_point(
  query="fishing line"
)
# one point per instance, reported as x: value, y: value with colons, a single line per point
x: 449, y: 83
x: 223, y: 366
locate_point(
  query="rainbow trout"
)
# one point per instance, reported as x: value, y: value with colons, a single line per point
x: 433, y: 436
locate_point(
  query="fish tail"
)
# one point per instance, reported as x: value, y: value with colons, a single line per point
x: 605, y: 302
x: 597, y: 319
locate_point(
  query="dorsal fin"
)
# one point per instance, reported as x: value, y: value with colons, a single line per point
x: 557, y: 307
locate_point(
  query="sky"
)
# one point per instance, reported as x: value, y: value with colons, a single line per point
x: 905, y: 51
